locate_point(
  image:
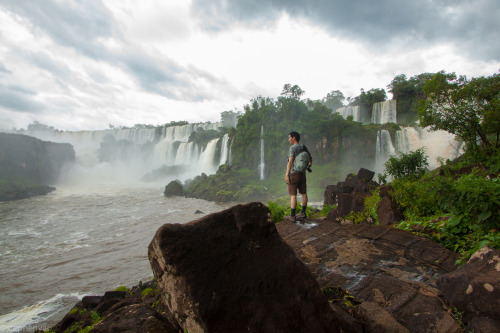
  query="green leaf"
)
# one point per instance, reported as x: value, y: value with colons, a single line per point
x: 484, y: 215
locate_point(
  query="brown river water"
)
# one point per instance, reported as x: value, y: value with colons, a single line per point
x: 79, y: 241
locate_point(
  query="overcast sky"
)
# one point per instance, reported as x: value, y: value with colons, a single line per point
x: 82, y: 65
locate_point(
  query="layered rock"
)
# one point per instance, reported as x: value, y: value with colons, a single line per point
x: 391, y: 273
x: 474, y: 288
x: 231, y: 272
x: 350, y: 194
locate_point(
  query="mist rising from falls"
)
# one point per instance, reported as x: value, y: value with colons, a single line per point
x: 126, y: 155
x: 436, y: 145
x: 347, y: 111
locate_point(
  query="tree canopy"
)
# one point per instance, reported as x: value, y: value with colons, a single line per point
x: 470, y: 109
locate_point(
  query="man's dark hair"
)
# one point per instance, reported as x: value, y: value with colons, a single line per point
x: 295, y: 135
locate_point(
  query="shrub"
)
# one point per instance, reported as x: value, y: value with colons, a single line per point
x: 474, y: 204
x: 411, y: 165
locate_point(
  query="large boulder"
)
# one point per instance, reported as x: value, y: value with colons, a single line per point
x: 350, y: 194
x: 474, y: 288
x: 391, y: 273
x: 388, y: 211
x: 174, y: 188
x: 231, y: 272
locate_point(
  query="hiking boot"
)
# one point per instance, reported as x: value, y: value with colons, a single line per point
x: 301, y: 215
x: 290, y: 218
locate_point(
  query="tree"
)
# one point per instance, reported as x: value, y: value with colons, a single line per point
x: 366, y: 99
x: 411, y: 165
x: 407, y: 93
x: 292, y: 91
x: 334, y: 99
x: 470, y: 109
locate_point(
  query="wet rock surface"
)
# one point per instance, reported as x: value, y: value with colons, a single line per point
x: 231, y: 272
x: 392, y: 273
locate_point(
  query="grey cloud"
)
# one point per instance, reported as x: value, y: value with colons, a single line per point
x: 45, y: 62
x: 76, y: 24
x: 471, y: 25
x: 4, y: 69
x: 80, y: 24
x: 153, y: 75
x: 19, y: 99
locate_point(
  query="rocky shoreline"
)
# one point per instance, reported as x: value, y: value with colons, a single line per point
x: 237, y: 270
x: 14, y: 191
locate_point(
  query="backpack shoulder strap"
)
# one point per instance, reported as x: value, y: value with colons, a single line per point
x: 304, y: 148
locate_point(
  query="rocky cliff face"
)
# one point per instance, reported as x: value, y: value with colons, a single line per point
x: 29, y: 162
x: 26, y: 158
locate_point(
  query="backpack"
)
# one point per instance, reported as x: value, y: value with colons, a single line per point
x: 301, y: 161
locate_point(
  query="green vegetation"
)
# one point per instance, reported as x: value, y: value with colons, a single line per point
x: 407, y: 93
x: 410, y: 165
x: 370, y: 211
x: 341, y: 297
x: 202, y: 137
x: 470, y: 204
x: 457, y: 208
x: 279, y: 210
x: 77, y: 327
x: 145, y: 292
x: 470, y: 109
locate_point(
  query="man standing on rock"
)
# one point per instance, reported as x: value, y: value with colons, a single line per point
x: 295, y: 175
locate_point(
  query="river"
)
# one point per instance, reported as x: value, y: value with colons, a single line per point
x: 78, y: 241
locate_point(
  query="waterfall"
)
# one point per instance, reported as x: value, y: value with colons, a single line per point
x: 262, y: 164
x: 347, y: 111
x: 207, y: 158
x: 224, y: 153
x: 384, y: 149
x: 125, y: 154
x: 384, y: 112
x: 407, y: 139
x: 436, y: 144
x: 230, y: 154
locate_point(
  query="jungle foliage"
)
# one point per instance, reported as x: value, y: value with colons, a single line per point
x: 469, y: 202
x: 470, y: 109
x: 328, y: 136
x: 408, y: 93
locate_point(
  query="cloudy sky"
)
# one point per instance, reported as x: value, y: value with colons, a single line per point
x: 86, y: 64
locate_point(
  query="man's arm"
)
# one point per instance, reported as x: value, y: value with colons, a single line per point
x: 288, y: 168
